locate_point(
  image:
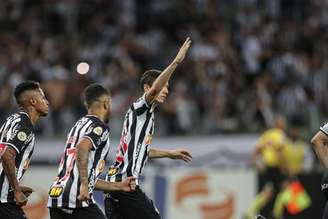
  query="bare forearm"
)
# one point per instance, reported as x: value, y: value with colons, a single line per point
x: 160, y: 82
x: 322, y: 154
x: 82, y: 164
x: 157, y: 153
x: 164, y: 77
x: 8, y: 163
x: 106, y: 186
x: 319, y: 143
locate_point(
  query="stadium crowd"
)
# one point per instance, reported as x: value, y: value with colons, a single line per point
x: 250, y: 59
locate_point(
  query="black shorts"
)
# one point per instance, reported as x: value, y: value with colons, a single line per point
x: 11, y: 211
x: 93, y: 211
x: 325, y: 211
x: 130, y: 205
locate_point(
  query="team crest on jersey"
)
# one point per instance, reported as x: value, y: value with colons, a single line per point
x: 22, y: 136
x: 55, y: 191
x: 101, y: 166
x: 98, y: 130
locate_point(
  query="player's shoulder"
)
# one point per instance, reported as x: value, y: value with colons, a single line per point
x: 138, y: 100
x: 140, y: 105
x: 21, y: 118
x: 95, y: 122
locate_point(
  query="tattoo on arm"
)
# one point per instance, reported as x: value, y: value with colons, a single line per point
x: 8, y: 163
x: 82, y: 163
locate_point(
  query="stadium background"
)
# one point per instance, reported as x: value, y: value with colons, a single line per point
x: 249, y: 60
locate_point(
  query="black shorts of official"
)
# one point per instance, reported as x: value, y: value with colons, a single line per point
x: 11, y: 211
x: 325, y: 211
x: 93, y: 211
x: 130, y: 205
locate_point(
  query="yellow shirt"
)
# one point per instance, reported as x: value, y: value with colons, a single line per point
x: 269, y: 143
x: 294, y: 154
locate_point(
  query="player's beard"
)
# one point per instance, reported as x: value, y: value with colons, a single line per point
x: 107, y: 118
x: 43, y: 114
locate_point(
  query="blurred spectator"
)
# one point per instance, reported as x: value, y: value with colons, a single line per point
x: 249, y: 60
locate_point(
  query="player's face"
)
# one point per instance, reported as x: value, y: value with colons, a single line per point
x: 41, y: 103
x: 106, y: 102
x: 163, y: 94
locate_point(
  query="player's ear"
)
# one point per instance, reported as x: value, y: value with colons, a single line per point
x: 146, y: 87
x: 106, y: 105
x: 33, y: 101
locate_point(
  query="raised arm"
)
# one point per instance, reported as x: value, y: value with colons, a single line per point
x: 320, y: 146
x: 181, y: 154
x: 8, y: 164
x: 83, y: 149
x: 165, y: 76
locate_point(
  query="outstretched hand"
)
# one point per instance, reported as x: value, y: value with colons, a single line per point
x: 181, y: 154
x: 183, y: 51
x: 129, y: 184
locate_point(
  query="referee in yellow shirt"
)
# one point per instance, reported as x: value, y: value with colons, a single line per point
x: 268, y: 159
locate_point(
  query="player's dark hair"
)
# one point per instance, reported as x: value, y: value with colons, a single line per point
x: 24, y: 86
x: 92, y: 92
x: 148, y: 77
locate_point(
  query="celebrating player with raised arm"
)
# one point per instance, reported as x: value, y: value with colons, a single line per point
x: 16, y: 146
x: 86, y: 149
x: 134, y: 148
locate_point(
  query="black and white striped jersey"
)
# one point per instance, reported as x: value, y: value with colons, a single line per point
x: 324, y: 128
x: 16, y: 132
x: 66, y: 188
x: 132, y: 152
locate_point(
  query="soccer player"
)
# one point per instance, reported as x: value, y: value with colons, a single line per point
x: 86, y: 149
x: 134, y: 148
x: 320, y: 146
x: 16, y: 145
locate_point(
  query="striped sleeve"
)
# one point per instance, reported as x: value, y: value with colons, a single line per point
x: 94, y: 133
x: 141, y: 106
x: 324, y: 128
x: 17, y: 135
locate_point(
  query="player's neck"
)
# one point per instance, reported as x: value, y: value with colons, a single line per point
x: 32, y: 114
x: 97, y: 113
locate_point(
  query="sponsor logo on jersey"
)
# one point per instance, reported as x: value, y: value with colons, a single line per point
x: 112, y: 171
x: 55, y: 191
